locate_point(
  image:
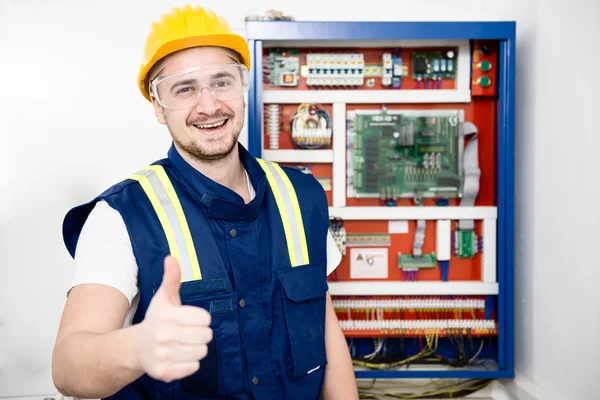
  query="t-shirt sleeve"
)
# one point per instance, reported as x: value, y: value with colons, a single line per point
x: 104, y: 254
x: 334, y: 256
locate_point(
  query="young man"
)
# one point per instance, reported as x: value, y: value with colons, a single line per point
x: 204, y: 274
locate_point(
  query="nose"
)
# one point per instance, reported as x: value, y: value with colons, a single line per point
x: 207, y: 103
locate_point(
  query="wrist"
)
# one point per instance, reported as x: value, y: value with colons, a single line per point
x: 132, y: 356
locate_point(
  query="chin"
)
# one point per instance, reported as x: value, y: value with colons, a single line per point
x: 211, y: 150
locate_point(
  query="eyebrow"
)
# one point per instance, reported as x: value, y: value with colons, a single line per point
x: 222, y: 75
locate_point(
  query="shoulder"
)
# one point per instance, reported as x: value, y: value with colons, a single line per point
x: 304, y: 181
x: 104, y: 252
x: 104, y: 215
x: 76, y: 217
x: 311, y: 195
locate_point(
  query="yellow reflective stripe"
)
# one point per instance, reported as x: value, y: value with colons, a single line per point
x: 282, y: 211
x: 187, y: 236
x: 160, y: 212
x: 297, y: 214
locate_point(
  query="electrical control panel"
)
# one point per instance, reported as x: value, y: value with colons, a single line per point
x: 410, y: 138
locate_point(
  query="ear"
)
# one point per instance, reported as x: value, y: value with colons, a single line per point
x: 159, y: 111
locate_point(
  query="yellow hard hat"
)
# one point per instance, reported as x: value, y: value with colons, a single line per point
x: 184, y: 28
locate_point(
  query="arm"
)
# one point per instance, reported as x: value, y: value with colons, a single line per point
x: 340, y: 382
x: 94, y: 357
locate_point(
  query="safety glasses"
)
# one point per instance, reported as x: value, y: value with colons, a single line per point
x: 184, y: 89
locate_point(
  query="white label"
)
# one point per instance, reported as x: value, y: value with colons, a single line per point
x: 398, y: 227
x: 397, y: 70
x: 366, y: 263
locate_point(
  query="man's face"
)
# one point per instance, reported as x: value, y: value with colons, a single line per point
x: 209, y: 130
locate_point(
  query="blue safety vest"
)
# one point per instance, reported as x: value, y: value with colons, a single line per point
x: 258, y: 268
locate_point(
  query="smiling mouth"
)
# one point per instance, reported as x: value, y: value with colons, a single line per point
x: 213, y: 126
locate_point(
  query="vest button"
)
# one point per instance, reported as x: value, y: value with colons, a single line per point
x: 242, y: 303
x: 233, y: 233
x: 255, y: 380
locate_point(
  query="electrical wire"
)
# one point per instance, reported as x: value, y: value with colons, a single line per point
x: 452, y: 390
x: 427, y: 353
x: 431, y: 339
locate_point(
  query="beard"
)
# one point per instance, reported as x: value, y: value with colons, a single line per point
x: 210, y: 149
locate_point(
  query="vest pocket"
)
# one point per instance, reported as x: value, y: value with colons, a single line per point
x: 304, y: 292
x: 220, y: 372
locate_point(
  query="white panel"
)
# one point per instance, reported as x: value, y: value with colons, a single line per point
x: 413, y: 213
x: 463, y: 68
x: 339, y: 154
x: 374, y: 288
x: 489, y: 251
x: 397, y: 226
x: 364, y: 97
x: 298, y: 156
x: 442, y: 239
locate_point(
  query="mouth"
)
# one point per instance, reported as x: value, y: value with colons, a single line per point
x: 212, y: 128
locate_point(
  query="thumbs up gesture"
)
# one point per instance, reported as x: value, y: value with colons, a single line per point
x: 173, y: 338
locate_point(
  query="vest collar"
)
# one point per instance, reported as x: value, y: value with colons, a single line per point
x: 220, y: 201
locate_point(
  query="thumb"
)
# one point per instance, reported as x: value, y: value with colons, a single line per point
x: 169, y: 288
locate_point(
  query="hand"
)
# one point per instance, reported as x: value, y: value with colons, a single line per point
x: 172, y: 338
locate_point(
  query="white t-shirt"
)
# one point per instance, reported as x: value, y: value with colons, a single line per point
x: 104, y: 254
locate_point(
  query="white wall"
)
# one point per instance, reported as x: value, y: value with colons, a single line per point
x: 72, y: 123
x: 557, y: 297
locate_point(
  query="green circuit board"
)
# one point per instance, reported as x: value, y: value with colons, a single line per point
x: 397, y: 154
x: 430, y: 64
x: 465, y: 244
x: 284, y: 67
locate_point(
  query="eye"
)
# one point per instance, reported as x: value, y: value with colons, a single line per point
x: 184, y: 90
x: 222, y: 84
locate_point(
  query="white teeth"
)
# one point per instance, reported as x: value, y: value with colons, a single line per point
x: 216, y: 124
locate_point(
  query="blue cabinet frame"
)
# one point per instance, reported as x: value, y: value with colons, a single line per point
x: 505, y: 33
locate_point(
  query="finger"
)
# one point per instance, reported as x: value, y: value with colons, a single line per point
x: 169, y: 287
x: 179, y: 371
x: 177, y: 353
x: 188, y: 316
x: 185, y: 335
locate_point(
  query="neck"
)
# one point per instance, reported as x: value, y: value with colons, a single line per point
x: 227, y: 171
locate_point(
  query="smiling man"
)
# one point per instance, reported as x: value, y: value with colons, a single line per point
x: 204, y: 274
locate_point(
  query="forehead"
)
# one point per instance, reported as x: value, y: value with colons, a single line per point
x: 197, y: 56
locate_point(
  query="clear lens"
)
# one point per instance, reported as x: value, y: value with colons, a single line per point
x: 183, y: 89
